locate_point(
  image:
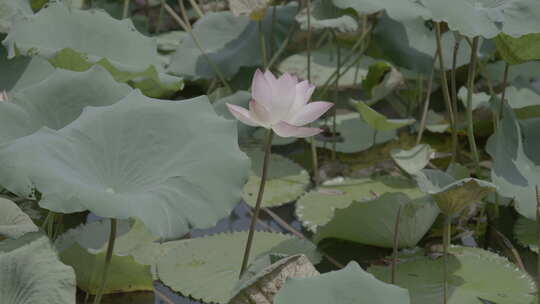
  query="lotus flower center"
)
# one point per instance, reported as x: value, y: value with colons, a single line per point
x: 110, y: 190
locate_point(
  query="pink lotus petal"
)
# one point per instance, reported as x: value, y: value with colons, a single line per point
x: 284, y: 129
x: 284, y: 96
x: 270, y: 77
x: 310, y: 112
x: 259, y: 113
x: 303, y: 94
x: 261, y: 89
x: 242, y: 115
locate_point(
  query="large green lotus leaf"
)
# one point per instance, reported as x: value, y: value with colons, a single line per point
x: 83, y: 37
x: 474, y: 274
x: 487, y: 18
x: 32, y: 273
x: 350, y: 285
x: 286, y: 180
x: 518, y: 50
x: 57, y: 101
x: 412, y: 160
x: 208, y: 268
x: 84, y: 249
x: 20, y: 72
x: 169, y: 41
x: 515, y: 168
x: 13, y: 9
x: 239, y: 98
x: 356, y: 135
x: 264, y: 278
x: 14, y: 223
x: 374, y: 221
x: 399, y: 10
x: 495, y: 71
x: 150, y: 81
x: 450, y: 194
x: 411, y: 44
x: 316, y: 208
x: 378, y: 121
x: 323, y: 65
x: 525, y: 233
x: 436, y: 123
x: 145, y: 158
x: 325, y: 15
x: 517, y: 97
x: 230, y: 41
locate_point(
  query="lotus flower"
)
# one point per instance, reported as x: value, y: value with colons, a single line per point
x: 281, y: 104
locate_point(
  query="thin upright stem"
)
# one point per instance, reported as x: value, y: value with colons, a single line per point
x: 446, y: 244
x: 262, y: 41
x: 538, y: 242
x: 314, y: 156
x: 446, y: 93
x: 453, y: 84
x: 426, y: 102
x: 268, y: 149
x: 272, y: 29
x: 395, y: 246
x: 282, y: 47
x: 187, y: 28
x: 336, y: 96
x: 470, y: 85
x: 504, y: 84
x: 196, y: 8
x: 160, y: 17
x: 125, y: 11
x: 108, y: 257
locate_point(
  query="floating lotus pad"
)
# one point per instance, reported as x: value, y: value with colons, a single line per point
x: 286, y: 180
x: 316, y: 208
x: 195, y: 268
x: 32, y: 273
x: 350, y: 285
x: 473, y: 274
x: 150, y: 159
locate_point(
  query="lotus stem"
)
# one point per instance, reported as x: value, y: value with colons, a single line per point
x: 453, y: 84
x: 336, y: 95
x: 160, y: 17
x: 446, y: 244
x: 395, y: 246
x: 281, y: 48
x: 504, y: 85
x: 446, y: 93
x: 272, y: 26
x: 426, y: 102
x: 262, y: 43
x: 108, y: 257
x: 125, y: 11
x: 538, y: 240
x: 209, y: 60
x: 470, y: 85
x: 375, y: 131
x: 249, y: 242
x: 196, y: 8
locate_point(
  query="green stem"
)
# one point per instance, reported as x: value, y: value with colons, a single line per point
x: 375, y: 137
x: 282, y: 47
x: 446, y: 93
x: 336, y: 96
x: 268, y: 149
x: 272, y: 29
x: 262, y: 43
x: 108, y: 257
x: 538, y: 240
x: 209, y: 60
x: 196, y: 8
x: 426, y: 106
x: 446, y: 245
x: 453, y: 83
x: 470, y: 85
x: 126, y: 9
x: 395, y: 246
x: 503, y: 94
x: 160, y: 17
x: 50, y: 224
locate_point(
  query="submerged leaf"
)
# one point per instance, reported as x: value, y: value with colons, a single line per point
x: 208, y: 268
x: 350, y: 285
x: 32, y: 273
x: 14, y: 223
x: 473, y: 274
x: 150, y: 159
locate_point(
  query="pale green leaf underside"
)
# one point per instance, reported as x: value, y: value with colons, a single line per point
x: 316, y: 208
x: 412, y: 160
x: 140, y: 158
x: 324, y: 15
x: 473, y: 273
x: 84, y: 249
x: 351, y: 285
x: 14, y: 223
x: 32, y: 273
x: 194, y: 267
x: 13, y: 9
x: 286, y: 180
x: 20, y: 72
x: 356, y: 134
